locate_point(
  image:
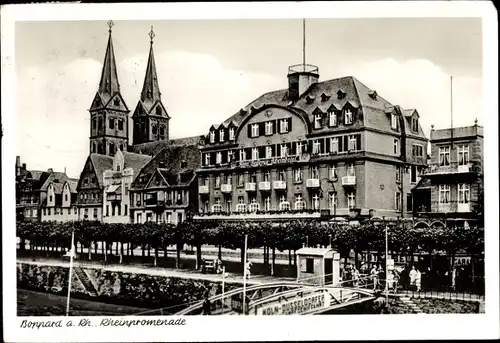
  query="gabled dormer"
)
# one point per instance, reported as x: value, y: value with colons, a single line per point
x: 341, y: 94
x: 373, y: 95
x: 310, y: 99
x: 231, y: 131
x: 118, y: 162
x: 325, y: 97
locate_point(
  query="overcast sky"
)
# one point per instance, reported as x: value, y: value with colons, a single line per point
x: 209, y: 69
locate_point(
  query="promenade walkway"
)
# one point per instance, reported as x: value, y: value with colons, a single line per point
x: 157, y: 271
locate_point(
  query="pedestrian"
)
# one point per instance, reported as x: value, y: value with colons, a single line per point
x: 207, y: 307
x: 374, y: 275
x: 396, y: 280
x: 418, y: 280
x: 390, y: 281
x: 355, y: 277
x: 413, y: 277
x: 248, y: 267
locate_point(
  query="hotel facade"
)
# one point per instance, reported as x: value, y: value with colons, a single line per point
x: 333, y: 148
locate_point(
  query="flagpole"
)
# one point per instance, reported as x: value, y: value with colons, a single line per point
x: 245, y: 275
x: 223, y: 279
x: 70, y: 270
x: 304, y: 43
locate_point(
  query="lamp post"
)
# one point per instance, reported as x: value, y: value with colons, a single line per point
x: 71, y: 254
x: 386, y: 265
x: 245, y: 275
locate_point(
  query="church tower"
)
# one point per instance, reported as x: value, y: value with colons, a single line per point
x: 151, y: 120
x: 108, y: 113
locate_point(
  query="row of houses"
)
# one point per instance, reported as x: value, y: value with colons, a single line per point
x: 332, y: 149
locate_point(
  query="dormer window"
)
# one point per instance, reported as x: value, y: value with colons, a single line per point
x: 162, y: 131
x: 414, y: 124
x: 310, y: 99
x: 117, y: 167
x: 317, y: 121
x: 154, y: 129
x: 221, y: 135
x: 158, y: 110
x: 332, y: 118
x: 347, y: 116
x: 324, y: 97
x: 341, y: 94
x: 116, y: 102
x: 231, y: 134
x: 120, y: 124
x: 212, y: 136
x: 394, y: 122
x: 255, y: 130
x: 112, y: 123
x: 373, y: 94
x: 183, y: 164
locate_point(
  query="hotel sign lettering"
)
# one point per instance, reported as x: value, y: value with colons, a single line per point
x: 297, y: 305
x: 270, y: 161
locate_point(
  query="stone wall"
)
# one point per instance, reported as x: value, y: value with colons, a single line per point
x: 139, y: 290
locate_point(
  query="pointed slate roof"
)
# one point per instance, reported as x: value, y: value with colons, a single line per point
x: 100, y: 164
x: 135, y: 161
x: 109, y: 85
x: 150, y: 90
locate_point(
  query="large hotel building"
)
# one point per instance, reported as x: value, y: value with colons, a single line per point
x: 333, y: 149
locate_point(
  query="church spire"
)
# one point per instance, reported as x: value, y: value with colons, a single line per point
x: 109, y: 77
x: 150, y: 90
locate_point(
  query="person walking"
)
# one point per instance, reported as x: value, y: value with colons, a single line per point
x: 355, y: 277
x: 374, y: 275
x: 413, y: 278
x: 418, y: 280
x: 248, y: 267
x: 207, y: 306
x: 396, y: 280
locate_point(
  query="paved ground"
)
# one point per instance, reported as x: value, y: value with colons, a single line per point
x: 187, y: 274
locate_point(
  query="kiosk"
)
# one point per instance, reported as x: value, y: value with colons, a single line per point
x: 318, y: 266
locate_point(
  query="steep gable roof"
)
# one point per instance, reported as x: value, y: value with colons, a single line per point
x: 153, y: 148
x: 54, y: 176
x: 100, y: 163
x: 135, y: 161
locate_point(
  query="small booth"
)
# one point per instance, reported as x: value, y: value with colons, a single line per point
x: 318, y: 266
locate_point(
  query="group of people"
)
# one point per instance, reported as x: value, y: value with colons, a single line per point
x: 351, y: 276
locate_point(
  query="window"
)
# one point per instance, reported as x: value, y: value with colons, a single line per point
x: 351, y: 170
x: 309, y: 265
x: 107, y: 210
x: 94, y: 124
x: 230, y: 156
x: 116, y: 102
x: 300, y: 148
x: 231, y: 134
x: 217, y: 181
x: 162, y: 131
x: 463, y: 193
x: 332, y: 118
x: 394, y: 122
x: 95, y: 212
x: 297, y: 175
x: 111, y: 148
x: 414, y: 124
x: 221, y: 135
x: 48, y: 211
x: 207, y: 159
x: 240, y: 179
x: 50, y: 198
x: 158, y: 110
x: 243, y: 155
x: 253, y: 177
x: 269, y: 152
x: 218, y: 158
x: 347, y: 116
x: 351, y: 200
x: 254, y: 206
x: 75, y: 210
x: 352, y: 143
x: 413, y: 174
x: 125, y: 210
x: 284, y: 205
x: 255, y: 130
x: 397, y: 201
x: 409, y: 202
x: 316, y: 147
x: 314, y: 172
x: 119, y: 210
x: 398, y: 174
x: 205, y: 206
x: 332, y: 200
x: 269, y: 128
x: 121, y: 146
x: 217, y: 206
x: 282, y: 175
x: 112, y: 123
x: 267, y: 203
x: 227, y: 203
x: 65, y: 197
x: 255, y: 153
x: 284, y: 150
x: 417, y: 150
x: 228, y: 179
x: 154, y: 129
x: 283, y: 125
x: 444, y: 156
x: 100, y: 123
x: 444, y: 194
x: 396, y: 146
x: 267, y: 176
x: 463, y: 155
x: 315, y: 201
x: 317, y: 121
x: 299, y: 202
x: 212, y: 136
x: 94, y: 147
x: 334, y: 145
x: 120, y: 124
x: 333, y: 172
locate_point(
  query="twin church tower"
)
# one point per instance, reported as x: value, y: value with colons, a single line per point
x: 109, y: 114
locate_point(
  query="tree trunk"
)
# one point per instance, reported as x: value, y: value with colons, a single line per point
x: 295, y: 258
x: 105, y: 246
x: 242, y: 257
x: 220, y: 252
x: 156, y: 254
x: 143, y: 251
x: 198, y: 256
x: 289, y: 257
x: 116, y: 248
x: 102, y: 248
x: 149, y: 250
x: 121, y: 252
x: 274, y: 260
x: 90, y: 250
x: 178, y: 257
x: 95, y: 247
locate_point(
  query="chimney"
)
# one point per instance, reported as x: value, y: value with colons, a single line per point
x: 50, y: 170
x: 18, y: 161
x: 24, y: 166
x: 300, y: 78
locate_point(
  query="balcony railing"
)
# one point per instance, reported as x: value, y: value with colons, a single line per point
x: 203, y: 190
x: 151, y: 201
x: 463, y: 207
x: 265, y: 186
x: 279, y: 184
x: 250, y: 186
x: 312, y: 183
x: 349, y: 181
x: 226, y: 188
x: 303, y: 68
x: 451, y: 168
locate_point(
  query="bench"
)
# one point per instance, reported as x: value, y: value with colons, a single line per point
x: 209, y: 266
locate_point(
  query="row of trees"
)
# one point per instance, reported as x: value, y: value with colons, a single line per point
x: 403, y: 237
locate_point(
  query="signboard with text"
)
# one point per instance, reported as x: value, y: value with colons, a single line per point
x: 296, y: 305
x: 270, y: 161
